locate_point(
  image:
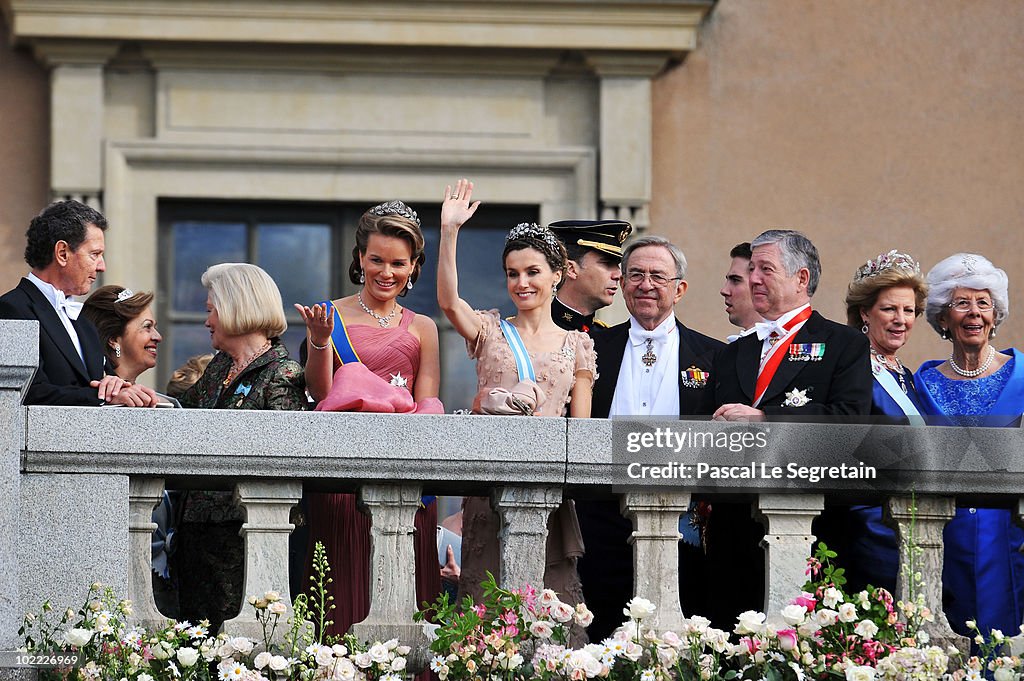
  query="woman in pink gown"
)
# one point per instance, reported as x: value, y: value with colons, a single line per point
x: 387, y: 362
x: 564, y: 366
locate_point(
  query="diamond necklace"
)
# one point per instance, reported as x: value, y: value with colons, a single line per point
x: 384, y: 321
x: 898, y: 369
x: 973, y: 373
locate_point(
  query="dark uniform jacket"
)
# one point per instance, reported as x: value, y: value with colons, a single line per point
x: 61, y: 377
x: 571, y: 320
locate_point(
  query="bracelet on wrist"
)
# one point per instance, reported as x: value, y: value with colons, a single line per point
x: 318, y: 347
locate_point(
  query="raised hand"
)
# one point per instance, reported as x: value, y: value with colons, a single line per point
x: 458, y: 206
x: 319, y: 322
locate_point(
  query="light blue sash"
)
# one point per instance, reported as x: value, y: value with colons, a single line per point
x: 523, y: 364
x: 889, y: 384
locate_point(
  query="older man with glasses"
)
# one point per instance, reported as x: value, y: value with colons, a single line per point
x: 650, y: 365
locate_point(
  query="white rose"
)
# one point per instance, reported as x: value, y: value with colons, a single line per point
x: 262, y: 660
x: 279, y: 663
x: 144, y: 677
x: 378, y: 653
x: 750, y: 622
x: 547, y: 598
x: 826, y: 617
x: 398, y: 664
x: 831, y: 597
x: 339, y: 650
x: 562, y: 612
x: 847, y: 612
x: 162, y: 650
x: 793, y: 614
x: 363, y: 660
x: 584, y: 617
x: 859, y: 673
x: 188, y: 656
x: 324, y: 656
x: 272, y: 596
x: 1004, y: 674
x: 344, y: 670
x: 241, y: 644
x: 541, y: 629
x: 277, y: 608
x: 671, y: 638
x: 78, y: 637
x: 866, y: 629
x: 639, y: 608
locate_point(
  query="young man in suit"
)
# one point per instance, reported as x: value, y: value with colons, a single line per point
x: 650, y: 365
x: 797, y: 363
x: 736, y: 293
x: 65, y: 253
x: 593, y: 274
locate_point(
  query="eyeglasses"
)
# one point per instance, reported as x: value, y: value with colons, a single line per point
x: 964, y: 305
x: 658, y: 280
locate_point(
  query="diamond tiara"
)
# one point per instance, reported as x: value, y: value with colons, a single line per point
x: 124, y: 295
x: 531, y: 230
x: 396, y: 207
x: 893, y: 260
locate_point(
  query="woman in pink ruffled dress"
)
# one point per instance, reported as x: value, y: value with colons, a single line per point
x: 368, y: 353
x: 562, y: 364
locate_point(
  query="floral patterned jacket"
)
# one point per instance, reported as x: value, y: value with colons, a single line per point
x: 272, y: 381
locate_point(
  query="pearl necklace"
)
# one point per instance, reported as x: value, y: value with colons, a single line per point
x: 238, y: 367
x: 973, y: 373
x: 898, y: 369
x: 384, y: 321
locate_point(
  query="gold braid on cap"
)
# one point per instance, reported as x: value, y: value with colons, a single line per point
x: 396, y: 207
x: 892, y: 260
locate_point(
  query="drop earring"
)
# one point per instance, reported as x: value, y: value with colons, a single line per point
x: 408, y: 285
x: 864, y: 329
x: 117, y: 351
x: 362, y: 277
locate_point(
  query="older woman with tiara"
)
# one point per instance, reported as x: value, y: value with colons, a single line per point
x: 526, y: 365
x: 884, y: 299
x: 368, y: 353
x: 976, y: 386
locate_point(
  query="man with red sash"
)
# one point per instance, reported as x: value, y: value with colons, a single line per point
x: 796, y: 363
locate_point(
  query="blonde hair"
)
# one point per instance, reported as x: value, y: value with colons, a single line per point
x: 246, y: 299
x: 187, y: 374
x: 863, y: 293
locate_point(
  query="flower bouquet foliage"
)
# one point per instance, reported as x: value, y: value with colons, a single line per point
x: 108, y: 647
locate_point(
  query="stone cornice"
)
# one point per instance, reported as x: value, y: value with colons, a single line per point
x: 666, y: 26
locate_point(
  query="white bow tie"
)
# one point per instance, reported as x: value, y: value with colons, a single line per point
x: 640, y: 336
x: 71, y: 308
x: 767, y: 328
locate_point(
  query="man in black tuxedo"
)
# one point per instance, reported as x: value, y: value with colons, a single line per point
x: 650, y: 365
x: 65, y: 254
x: 797, y: 363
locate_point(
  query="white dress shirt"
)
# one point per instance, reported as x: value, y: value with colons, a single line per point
x: 62, y: 305
x: 643, y: 390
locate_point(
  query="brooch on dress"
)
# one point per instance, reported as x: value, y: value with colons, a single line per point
x: 399, y: 381
x: 796, y: 398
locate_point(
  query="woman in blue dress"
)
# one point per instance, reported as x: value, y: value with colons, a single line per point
x: 884, y: 299
x: 983, y: 574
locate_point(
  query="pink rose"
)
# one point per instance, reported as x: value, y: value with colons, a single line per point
x: 787, y: 639
x: 807, y: 600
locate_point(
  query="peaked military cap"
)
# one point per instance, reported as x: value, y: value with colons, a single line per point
x: 606, y: 236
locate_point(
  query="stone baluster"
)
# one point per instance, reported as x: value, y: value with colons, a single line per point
x: 787, y: 544
x: 143, y: 496
x: 267, y: 505
x: 392, y: 510
x: 524, y: 513
x: 920, y: 522
x: 19, y: 356
x: 655, y: 539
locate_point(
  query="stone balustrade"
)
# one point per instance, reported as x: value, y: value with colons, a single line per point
x: 77, y: 486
